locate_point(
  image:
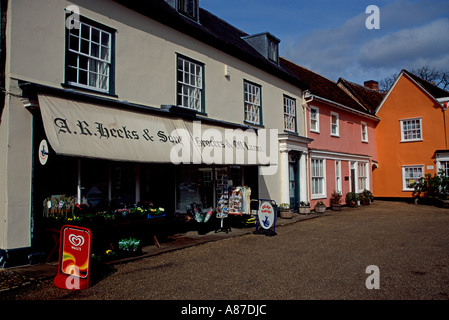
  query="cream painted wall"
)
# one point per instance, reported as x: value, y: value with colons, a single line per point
x: 145, y: 73
x: 145, y: 60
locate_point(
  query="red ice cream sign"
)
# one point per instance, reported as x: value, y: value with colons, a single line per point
x: 74, y: 260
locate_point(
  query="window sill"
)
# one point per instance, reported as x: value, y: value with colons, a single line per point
x: 417, y: 140
x: 319, y: 196
x: 365, y: 141
x: 253, y: 124
x: 314, y: 131
x: 335, y: 135
x: 89, y: 90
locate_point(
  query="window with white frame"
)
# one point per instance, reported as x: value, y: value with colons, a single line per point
x: 444, y: 167
x: 89, y: 56
x: 362, y: 176
x: 190, y: 84
x: 335, y: 131
x: 411, y: 130
x: 410, y: 175
x: 338, y: 176
x: 318, y: 178
x: 364, y: 131
x: 314, y: 119
x: 289, y: 114
x: 252, y: 100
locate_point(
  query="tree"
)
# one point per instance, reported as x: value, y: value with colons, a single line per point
x: 439, y: 78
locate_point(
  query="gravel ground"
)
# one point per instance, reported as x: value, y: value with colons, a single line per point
x: 320, y: 259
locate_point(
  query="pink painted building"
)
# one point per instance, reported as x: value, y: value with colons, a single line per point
x: 340, y: 121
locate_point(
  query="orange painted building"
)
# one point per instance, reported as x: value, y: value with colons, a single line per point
x: 412, y: 135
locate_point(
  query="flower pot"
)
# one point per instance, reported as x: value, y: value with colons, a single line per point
x: 304, y: 209
x: 286, y: 214
x: 320, y: 209
x: 336, y: 207
x: 352, y: 204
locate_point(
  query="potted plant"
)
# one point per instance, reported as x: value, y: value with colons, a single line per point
x: 335, y: 201
x: 366, y: 197
x: 129, y: 246
x: 304, y: 207
x: 286, y: 211
x: 352, y: 199
x: 320, y: 207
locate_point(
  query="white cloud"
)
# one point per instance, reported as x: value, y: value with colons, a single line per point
x: 412, y: 34
x: 408, y: 47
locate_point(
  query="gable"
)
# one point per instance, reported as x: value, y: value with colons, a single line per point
x: 408, y: 91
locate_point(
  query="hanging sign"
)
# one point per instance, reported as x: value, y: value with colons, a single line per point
x: 266, y: 214
x: 43, y: 152
x: 74, y: 258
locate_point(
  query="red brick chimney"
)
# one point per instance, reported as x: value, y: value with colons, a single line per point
x: 372, y: 84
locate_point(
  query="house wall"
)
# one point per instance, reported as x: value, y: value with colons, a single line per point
x: 347, y: 148
x: 145, y: 73
x: 407, y: 100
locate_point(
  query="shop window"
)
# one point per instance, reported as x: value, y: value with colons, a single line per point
x: 410, y: 175
x: 252, y: 100
x: 90, y: 56
x: 411, y: 130
x: 289, y: 114
x: 205, y: 185
x: 190, y: 84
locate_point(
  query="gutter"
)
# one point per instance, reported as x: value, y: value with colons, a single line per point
x: 338, y: 105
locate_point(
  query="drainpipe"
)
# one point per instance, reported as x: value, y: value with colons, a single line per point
x: 445, y: 129
x: 306, y: 98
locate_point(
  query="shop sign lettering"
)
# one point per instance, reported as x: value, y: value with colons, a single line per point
x: 101, y: 131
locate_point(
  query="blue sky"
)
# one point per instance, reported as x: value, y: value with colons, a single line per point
x: 330, y: 36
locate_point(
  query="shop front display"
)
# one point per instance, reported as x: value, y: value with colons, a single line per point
x: 115, y: 171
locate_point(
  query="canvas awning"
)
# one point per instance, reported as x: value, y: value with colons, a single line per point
x: 83, y: 129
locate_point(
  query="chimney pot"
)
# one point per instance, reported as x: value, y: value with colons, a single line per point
x: 372, y: 84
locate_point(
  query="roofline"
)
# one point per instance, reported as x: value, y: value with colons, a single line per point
x: 227, y: 48
x: 348, y: 85
x: 341, y: 106
x: 406, y: 73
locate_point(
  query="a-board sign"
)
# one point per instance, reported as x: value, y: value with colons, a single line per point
x: 266, y: 214
x: 74, y: 258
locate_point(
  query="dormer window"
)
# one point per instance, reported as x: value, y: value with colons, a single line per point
x: 266, y: 44
x: 188, y: 8
x: 273, y: 50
